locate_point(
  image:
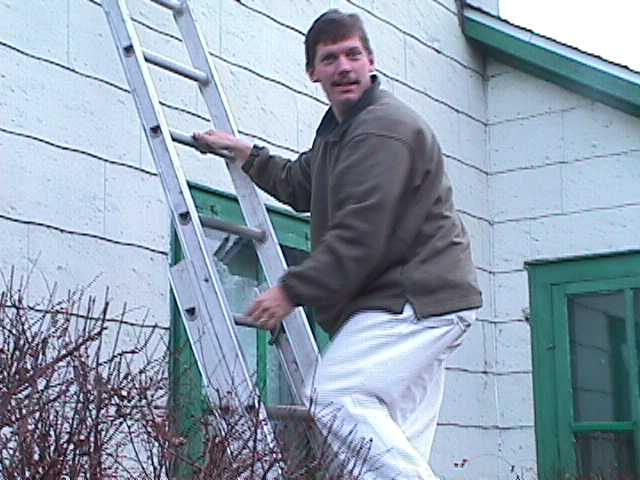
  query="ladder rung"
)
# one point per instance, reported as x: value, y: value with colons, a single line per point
x: 240, y: 230
x: 243, y: 321
x: 186, y: 139
x: 175, y: 67
x: 288, y: 412
x: 173, y: 5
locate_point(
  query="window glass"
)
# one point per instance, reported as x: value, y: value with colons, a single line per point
x: 599, y: 367
x: 239, y: 269
x: 605, y: 455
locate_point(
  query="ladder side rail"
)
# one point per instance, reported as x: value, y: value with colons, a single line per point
x: 298, y: 351
x: 191, y: 306
x: 174, y: 183
x: 242, y: 422
x: 203, y: 278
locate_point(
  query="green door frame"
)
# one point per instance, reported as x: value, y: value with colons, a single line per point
x: 551, y: 283
x: 567, y: 426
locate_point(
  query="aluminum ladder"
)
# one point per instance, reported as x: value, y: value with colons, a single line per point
x: 208, y: 320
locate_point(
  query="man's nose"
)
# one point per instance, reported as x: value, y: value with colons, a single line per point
x: 344, y: 65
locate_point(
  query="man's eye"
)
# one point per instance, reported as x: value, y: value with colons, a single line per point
x: 328, y: 59
x: 355, y: 54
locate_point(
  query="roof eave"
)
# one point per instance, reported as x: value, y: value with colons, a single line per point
x: 568, y: 67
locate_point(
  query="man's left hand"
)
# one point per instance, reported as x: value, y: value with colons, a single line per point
x: 271, y: 308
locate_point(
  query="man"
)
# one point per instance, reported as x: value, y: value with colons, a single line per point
x: 390, y: 275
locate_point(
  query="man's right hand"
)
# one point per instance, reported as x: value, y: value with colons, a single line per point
x: 212, y: 140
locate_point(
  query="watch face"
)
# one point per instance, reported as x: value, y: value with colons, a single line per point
x: 255, y: 151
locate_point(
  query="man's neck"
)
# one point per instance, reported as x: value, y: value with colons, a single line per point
x: 342, y: 114
x: 336, y: 113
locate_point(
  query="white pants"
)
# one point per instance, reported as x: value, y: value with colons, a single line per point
x: 382, y: 377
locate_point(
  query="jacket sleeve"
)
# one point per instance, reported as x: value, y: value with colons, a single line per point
x: 375, y: 176
x: 288, y: 181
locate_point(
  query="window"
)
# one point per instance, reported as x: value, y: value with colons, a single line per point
x: 237, y: 264
x: 585, y: 323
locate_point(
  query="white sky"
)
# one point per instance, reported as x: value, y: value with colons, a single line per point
x: 610, y: 29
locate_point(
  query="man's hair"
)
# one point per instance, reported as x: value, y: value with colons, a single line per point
x: 333, y: 26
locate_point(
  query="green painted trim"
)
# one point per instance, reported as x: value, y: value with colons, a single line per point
x: 186, y: 399
x: 564, y: 393
x: 581, y: 258
x: 262, y: 343
x: 602, y: 285
x: 544, y: 368
x: 292, y: 230
x: 634, y: 390
x: 322, y: 338
x: 603, y: 427
x: 591, y: 267
x: 188, y: 402
x: 262, y: 367
x: 551, y: 64
x: 549, y: 284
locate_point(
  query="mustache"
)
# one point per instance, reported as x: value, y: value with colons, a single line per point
x: 345, y: 81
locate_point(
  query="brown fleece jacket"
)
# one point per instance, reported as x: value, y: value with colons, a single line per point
x: 383, y: 225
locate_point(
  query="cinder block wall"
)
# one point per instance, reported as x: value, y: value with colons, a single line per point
x: 77, y: 193
x: 563, y: 180
x: 80, y: 197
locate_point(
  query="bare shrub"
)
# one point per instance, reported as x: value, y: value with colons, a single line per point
x: 86, y: 395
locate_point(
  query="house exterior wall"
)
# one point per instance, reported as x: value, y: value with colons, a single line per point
x: 563, y: 176
x: 80, y: 197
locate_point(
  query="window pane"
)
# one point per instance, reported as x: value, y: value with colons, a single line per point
x: 599, y: 369
x: 636, y: 313
x: 239, y: 269
x: 607, y: 454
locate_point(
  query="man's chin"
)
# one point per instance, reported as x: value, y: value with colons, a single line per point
x: 346, y: 100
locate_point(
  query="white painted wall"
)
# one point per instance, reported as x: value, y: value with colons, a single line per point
x: 537, y: 171
x: 563, y: 177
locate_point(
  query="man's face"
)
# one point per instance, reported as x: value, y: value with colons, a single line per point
x: 343, y: 69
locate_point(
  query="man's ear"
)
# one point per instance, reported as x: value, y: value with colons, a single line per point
x: 372, y: 63
x: 312, y: 75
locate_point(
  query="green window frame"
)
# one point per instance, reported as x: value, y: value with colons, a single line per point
x: 187, y: 402
x: 557, y: 289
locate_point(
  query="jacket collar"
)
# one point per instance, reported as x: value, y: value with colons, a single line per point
x: 331, y: 129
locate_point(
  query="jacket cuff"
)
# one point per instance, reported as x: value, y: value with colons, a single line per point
x: 256, y: 152
x: 292, y: 293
